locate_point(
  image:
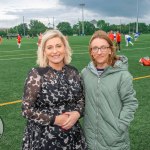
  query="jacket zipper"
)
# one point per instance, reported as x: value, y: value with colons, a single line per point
x: 97, y: 113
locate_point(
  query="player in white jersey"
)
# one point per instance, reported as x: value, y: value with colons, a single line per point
x: 128, y: 39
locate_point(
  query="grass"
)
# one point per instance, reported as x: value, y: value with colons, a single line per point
x: 15, y: 64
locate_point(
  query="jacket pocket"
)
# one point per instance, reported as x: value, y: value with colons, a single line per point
x: 112, y: 135
x: 121, y: 126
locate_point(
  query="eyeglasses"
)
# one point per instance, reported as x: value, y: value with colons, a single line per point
x: 102, y: 49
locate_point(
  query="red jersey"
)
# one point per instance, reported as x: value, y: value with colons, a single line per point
x: 111, y: 36
x: 118, y: 37
x: 19, y: 39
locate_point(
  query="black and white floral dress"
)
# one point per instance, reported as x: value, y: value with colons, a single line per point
x: 48, y: 93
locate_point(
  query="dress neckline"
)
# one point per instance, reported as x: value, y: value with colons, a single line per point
x: 55, y: 70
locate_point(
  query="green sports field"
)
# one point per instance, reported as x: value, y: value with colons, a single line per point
x: 15, y: 64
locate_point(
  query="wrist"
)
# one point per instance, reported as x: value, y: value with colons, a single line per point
x: 52, y: 120
x: 78, y: 114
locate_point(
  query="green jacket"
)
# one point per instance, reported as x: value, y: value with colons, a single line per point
x: 109, y: 106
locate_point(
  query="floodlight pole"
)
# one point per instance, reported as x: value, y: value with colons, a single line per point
x: 53, y: 24
x: 79, y: 26
x: 120, y: 25
x: 137, y: 16
x: 82, y: 5
x: 23, y: 26
x: 129, y: 28
x: 50, y: 23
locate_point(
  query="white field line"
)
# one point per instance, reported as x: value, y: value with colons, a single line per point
x: 135, y: 48
x: 17, y: 55
x: 18, y: 58
x: 78, y: 53
x: 10, y: 51
x: 73, y: 46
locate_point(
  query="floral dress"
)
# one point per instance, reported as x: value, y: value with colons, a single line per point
x: 48, y: 93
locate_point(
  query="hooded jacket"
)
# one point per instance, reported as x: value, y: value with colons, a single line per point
x: 110, y: 105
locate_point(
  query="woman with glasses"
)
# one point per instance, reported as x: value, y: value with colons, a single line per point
x: 53, y: 99
x: 110, y: 101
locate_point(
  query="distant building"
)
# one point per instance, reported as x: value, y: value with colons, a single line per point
x: 4, y: 29
x: 12, y: 34
x: 3, y: 32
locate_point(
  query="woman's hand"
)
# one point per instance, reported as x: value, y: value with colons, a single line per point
x: 60, y: 119
x: 73, y: 116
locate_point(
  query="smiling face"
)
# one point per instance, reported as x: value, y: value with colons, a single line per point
x: 101, y: 55
x: 55, y: 52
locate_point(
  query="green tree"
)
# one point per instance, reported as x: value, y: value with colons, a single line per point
x: 13, y: 30
x: 65, y: 28
x: 89, y: 28
x: 35, y: 27
x: 113, y: 27
x: 148, y: 28
x: 21, y: 29
x: 102, y: 25
x: 3, y: 33
x: 76, y: 29
x: 143, y: 28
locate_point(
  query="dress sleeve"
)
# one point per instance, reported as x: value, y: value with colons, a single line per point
x: 79, y: 94
x: 31, y: 90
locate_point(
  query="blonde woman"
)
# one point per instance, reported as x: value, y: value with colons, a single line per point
x: 53, y: 99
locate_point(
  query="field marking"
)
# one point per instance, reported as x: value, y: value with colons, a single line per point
x: 35, y: 56
x: 129, y: 50
x: 10, y: 51
x: 17, y: 58
x: 18, y: 101
x: 15, y: 55
x: 9, y: 103
x: 75, y: 46
x: 138, y: 78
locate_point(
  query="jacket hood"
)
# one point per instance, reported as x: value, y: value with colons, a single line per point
x: 121, y: 64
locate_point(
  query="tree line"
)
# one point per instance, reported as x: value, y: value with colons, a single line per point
x: 35, y: 27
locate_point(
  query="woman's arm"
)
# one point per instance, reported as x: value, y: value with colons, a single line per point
x: 31, y: 90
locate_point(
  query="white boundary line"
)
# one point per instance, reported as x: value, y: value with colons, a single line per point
x: 15, y: 55
x: 16, y: 50
x: 18, y: 58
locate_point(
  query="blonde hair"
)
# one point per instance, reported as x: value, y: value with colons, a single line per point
x: 42, y: 60
x: 103, y: 35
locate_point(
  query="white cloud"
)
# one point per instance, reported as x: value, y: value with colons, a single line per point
x: 12, y: 12
x: 17, y: 6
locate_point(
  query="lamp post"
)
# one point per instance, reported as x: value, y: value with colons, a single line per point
x: 129, y: 28
x: 120, y: 25
x: 137, y: 16
x: 82, y: 5
x: 53, y: 23
x: 23, y: 26
x: 49, y: 24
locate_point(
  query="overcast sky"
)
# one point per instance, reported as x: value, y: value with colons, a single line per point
x: 112, y: 11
